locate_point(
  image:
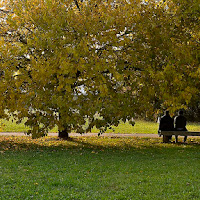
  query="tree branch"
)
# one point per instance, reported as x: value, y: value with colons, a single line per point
x: 5, y: 11
x: 77, y: 5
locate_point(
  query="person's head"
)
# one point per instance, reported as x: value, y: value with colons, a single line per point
x: 180, y: 112
x: 167, y: 112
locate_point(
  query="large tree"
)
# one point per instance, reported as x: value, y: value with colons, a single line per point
x: 77, y: 64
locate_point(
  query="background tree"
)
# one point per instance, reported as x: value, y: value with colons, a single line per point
x: 169, y: 43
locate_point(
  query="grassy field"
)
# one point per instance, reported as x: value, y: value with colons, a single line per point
x: 141, y: 126
x: 98, y: 168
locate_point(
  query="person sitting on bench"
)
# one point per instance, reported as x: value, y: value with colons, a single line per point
x: 166, y: 123
x: 180, y: 124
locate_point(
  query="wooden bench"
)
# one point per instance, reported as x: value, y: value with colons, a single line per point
x: 165, y: 134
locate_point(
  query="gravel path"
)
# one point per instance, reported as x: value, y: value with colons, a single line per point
x: 88, y: 134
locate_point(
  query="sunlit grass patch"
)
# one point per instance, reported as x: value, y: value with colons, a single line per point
x: 140, y: 126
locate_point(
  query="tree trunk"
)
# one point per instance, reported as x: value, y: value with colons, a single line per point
x: 63, y: 134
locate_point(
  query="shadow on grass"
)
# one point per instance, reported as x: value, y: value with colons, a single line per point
x: 15, y: 143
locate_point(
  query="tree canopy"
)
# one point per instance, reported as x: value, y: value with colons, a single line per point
x: 79, y: 64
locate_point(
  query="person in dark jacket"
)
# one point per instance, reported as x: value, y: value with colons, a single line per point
x: 180, y: 124
x: 166, y: 123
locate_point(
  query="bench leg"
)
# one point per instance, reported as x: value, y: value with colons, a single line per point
x: 185, y: 138
x: 176, y: 138
x: 165, y: 139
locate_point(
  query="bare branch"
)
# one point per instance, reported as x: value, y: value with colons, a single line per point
x: 77, y: 5
x: 5, y: 11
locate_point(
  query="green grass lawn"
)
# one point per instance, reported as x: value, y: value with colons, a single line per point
x: 141, y: 126
x: 98, y: 168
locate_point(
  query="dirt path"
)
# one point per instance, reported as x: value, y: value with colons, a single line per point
x: 88, y: 134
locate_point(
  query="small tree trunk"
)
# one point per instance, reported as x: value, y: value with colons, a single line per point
x: 63, y: 134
